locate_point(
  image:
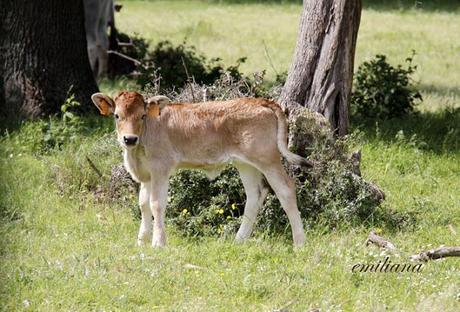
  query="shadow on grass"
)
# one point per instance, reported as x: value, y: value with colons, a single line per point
x: 425, y: 5
x: 440, y: 90
x: 379, y: 5
x: 438, y: 132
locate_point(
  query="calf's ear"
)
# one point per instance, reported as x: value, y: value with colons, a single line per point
x: 155, y: 104
x: 104, y: 103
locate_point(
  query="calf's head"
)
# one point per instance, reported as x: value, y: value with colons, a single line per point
x: 131, y: 111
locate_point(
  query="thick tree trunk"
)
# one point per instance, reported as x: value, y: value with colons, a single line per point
x: 317, y: 90
x: 43, y: 55
x: 320, y: 77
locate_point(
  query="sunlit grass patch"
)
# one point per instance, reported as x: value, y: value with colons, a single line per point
x: 63, y: 248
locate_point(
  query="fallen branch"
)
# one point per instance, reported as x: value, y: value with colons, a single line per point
x: 93, y: 166
x: 433, y: 254
x: 125, y: 57
x: 438, y: 253
x: 125, y: 44
x: 375, y: 239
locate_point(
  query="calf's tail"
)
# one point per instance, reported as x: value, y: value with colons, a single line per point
x: 282, y: 137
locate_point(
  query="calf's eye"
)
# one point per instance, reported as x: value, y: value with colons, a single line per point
x: 143, y: 116
x: 116, y: 116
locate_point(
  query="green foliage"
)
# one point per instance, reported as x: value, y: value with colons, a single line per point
x: 173, y: 65
x: 382, y: 91
x: 135, y: 47
x: 200, y: 207
x: 177, y: 65
x: 47, y: 134
x: 74, y: 252
x: 67, y: 128
x: 329, y: 195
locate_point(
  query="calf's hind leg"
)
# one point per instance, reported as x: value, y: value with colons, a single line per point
x: 284, y: 188
x: 255, y: 194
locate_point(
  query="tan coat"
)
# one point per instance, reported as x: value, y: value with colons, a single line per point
x: 159, y: 137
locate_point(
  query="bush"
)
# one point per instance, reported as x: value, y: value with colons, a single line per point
x: 134, y: 47
x: 177, y: 65
x: 43, y: 135
x: 173, y: 66
x: 69, y: 127
x: 200, y: 207
x: 330, y: 194
x: 382, y: 91
x: 57, y: 133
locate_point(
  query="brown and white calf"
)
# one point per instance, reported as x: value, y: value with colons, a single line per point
x: 158, y: 137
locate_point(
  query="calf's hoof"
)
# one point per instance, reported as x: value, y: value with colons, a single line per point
x: 144, y: 239
x: 158, y: 242
x: 299, y: 240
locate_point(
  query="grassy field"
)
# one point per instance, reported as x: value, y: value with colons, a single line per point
x: 62, y: 249
x: 233, y: 31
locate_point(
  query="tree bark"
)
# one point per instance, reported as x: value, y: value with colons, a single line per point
x: 321, y: 75
x: 43, y: 57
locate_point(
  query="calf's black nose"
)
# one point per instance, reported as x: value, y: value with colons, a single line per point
x: 130, y: 139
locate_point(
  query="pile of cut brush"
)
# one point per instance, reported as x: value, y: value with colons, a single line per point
x: 330, y: 194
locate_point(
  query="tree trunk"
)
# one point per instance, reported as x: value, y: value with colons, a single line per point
x: 320, y: 77
x: 43, y: 57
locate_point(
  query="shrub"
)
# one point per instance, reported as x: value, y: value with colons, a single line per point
x: 224, y: 88
x: 383, y: 91
x: 43, y: 135
x: 57, y: 133
x: 200, y: 207
x: 134, y: 47
x: 173, y: 65
x: 68, y: 127
x: 330, y: 194
x: 179, y: 64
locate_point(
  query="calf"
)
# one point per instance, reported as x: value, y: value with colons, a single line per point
x: 158, y: 137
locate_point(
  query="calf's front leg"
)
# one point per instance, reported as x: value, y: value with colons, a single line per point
x: 145, y: 230
x: 158, y: 199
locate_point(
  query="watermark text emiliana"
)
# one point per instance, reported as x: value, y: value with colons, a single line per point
x: 387, y: 266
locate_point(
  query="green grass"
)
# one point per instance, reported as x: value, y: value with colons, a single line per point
x: 73, y: 253
x: 62, y: 249
x: 252, y: 30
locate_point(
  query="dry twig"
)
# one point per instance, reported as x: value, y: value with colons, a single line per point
x: 93, y: 166
x: 137, y: 62
x: 375, y: 239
